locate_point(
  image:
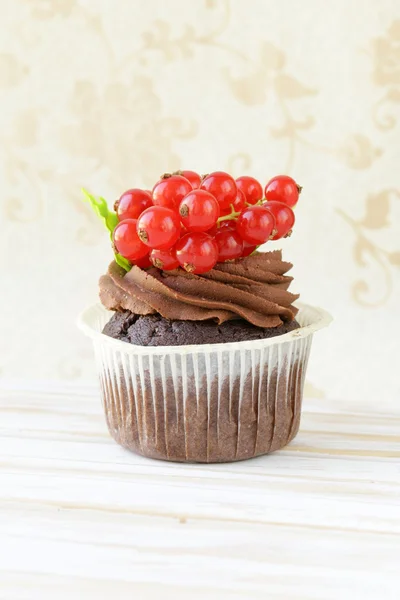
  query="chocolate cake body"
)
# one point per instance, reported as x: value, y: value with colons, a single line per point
x: 215, y: 400
x: 155, y: 330
x: 204, y: 406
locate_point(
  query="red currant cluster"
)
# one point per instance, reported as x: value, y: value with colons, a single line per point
x: 194, y: 222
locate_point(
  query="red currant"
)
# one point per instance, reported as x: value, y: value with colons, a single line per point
x: 159, y: 227
x: 143, y: 263
x: 127, y: 242
x: 248, y: 248
x: 199, y: 211
x: 132, y: 203
x: 193, y: 177
x: 238, y: 204
x: 251, y: 188
x: 230, y: 244
x: 213, y: 230
x: 240, y: 201
x: 197, y: 252
x: 222, y: 186
x: 169, y: 192
x: 283, y: 189
x: 284, y: 218
x: 230, y: 224
x: 255, y: 224
x: 164, y: 259
x: 224, y: 212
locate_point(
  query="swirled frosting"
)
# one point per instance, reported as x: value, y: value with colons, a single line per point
x: 253, y: 288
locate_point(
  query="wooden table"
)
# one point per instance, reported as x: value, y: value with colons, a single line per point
x: 81, y: 518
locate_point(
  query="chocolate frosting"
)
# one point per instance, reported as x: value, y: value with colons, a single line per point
x: 254, y: 288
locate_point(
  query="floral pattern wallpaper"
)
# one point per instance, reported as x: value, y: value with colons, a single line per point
x: 110, y: 95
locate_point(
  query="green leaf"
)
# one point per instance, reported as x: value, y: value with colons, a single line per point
x: 100, y: 207
x: 110, y: 220
x: 123, y: 262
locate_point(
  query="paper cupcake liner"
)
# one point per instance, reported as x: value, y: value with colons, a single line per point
x: 203, y: 403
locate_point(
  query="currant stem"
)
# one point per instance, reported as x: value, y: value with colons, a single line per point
x: 233, y: 215
x: 258, y: 203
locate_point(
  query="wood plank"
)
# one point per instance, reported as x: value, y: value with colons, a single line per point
x: 82, y: 517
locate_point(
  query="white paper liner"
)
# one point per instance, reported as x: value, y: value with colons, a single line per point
x: 203, y: 403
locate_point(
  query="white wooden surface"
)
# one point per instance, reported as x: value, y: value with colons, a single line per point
x: 82, y: 518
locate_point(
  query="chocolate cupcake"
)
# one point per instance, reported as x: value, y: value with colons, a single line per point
x: 205, y: 361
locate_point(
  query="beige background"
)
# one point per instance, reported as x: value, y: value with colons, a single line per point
x: 109, y: 94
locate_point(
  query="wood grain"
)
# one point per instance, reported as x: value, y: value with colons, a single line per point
x: 82, y: 518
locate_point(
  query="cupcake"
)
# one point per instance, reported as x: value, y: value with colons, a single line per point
x: 201, y: 351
